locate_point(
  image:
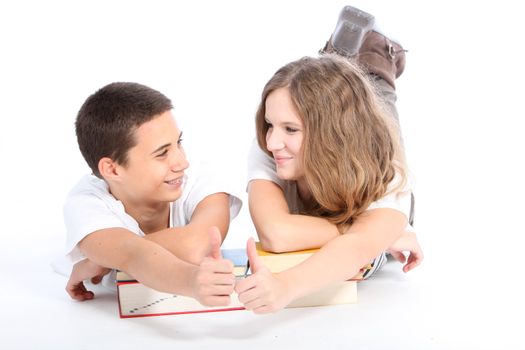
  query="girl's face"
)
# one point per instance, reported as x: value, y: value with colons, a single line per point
x: 285, y: 134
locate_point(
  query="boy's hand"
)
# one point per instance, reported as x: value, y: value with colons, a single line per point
x: 83, y: 270
x: 214, y: 281
x: 407, y: 242
x: 261, y: 292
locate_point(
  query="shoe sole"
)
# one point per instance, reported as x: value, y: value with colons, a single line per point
x: 351, y: 27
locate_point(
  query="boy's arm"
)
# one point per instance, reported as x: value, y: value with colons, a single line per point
x: 338, y: 260
x: 280, y: 231
x: 190, y: 242
x: 211, y: 282
x: 84, y: 270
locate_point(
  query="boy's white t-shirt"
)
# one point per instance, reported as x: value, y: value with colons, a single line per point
x: 90, y: 207
x: 262, y: 167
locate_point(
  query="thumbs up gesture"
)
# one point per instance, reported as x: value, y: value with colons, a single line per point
x: 262, y: 291
x: 213, y: 284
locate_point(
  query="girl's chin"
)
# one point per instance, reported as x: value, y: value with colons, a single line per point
x: 285, y: 176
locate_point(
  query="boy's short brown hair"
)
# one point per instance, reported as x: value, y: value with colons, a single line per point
x: 106, y: 122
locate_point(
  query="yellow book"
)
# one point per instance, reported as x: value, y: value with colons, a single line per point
x: 344, y: 292
x: 278, y: 262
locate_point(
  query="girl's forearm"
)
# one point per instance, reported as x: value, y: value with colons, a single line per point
x: 296, y: 232
x: 339, y: 260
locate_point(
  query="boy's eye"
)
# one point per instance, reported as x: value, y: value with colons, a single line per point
x: 163, y: 153
x: 179, y: 142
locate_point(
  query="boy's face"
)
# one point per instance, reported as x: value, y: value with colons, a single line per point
x: 155, y: 169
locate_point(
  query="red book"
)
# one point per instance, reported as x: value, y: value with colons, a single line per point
x: 138, y: 300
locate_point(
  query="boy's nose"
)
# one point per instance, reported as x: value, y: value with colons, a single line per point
x: 179, y: 161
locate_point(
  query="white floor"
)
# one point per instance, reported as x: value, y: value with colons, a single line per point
x: 461, y: 111
x: 429, y: 308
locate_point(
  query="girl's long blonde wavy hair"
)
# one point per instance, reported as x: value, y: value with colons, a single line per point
x: 351, y: 150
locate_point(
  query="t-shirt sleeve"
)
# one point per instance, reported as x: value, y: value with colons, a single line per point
x: 261, y: 166
x: 204, y: 182
x: 85, y: 213
x: 398, y: 200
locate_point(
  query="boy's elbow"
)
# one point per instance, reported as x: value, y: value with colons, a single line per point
x: 196, y: 255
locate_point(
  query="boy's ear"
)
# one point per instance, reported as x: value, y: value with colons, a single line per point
x: 108, y: 168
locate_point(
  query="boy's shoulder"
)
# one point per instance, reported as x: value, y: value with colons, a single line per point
x: 90, y: 184
x: 89, y: 192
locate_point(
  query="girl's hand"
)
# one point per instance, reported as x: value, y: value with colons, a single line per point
x: 407, y: 242
x: 262, y: 292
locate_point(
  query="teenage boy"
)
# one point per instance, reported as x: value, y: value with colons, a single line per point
x: 138, y: 211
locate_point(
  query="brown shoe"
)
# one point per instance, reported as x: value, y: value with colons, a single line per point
x: 382, y: 56
x: 354, y: 37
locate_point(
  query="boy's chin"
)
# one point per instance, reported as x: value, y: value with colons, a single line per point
x: 173, y: 196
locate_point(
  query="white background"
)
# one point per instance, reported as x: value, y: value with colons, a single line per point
x: 460, y: 102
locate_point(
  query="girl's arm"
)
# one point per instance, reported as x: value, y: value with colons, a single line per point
x: 338, y: 260
x: 280, y: 231
x: 407, y: 243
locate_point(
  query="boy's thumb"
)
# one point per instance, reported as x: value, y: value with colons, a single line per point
x: 253, y: 257
x: 215, y: 243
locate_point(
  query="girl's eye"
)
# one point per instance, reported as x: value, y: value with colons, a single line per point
x: 291, y: 130
x: 179, y: 142
x: 163, y: 153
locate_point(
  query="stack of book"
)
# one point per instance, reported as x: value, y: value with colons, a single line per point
x: 138, y: 300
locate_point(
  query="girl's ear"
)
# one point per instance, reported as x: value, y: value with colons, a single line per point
x: 108, y: 168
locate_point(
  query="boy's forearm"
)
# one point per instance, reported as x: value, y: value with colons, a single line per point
x: 186, y: 243
x: 157, y: 268
x: 146, y: 261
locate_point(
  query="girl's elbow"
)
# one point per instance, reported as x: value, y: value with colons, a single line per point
x: 271, y: 246
x: 271, y: 239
